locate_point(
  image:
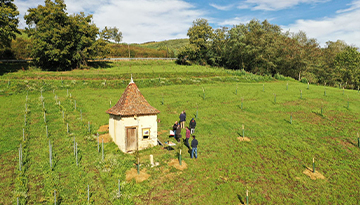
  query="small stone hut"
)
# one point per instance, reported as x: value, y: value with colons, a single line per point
x: 133, y: 121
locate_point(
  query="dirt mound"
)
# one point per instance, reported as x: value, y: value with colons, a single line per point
x: 104, y: 128
x: 132, y: 173
x: 309, y: 172
x: 106, y: 137
x: 175, y: 163
x: 246, y: 139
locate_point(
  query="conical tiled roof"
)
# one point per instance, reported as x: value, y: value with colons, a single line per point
x: 132, y: 102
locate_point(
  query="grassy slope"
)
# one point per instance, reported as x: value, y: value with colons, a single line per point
x: 173, y: 45
x: 270, y: 166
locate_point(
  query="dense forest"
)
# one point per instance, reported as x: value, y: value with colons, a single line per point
x: 55, y: 40
x: 263, y: 48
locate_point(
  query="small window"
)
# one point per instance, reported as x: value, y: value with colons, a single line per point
x: 146, y: 133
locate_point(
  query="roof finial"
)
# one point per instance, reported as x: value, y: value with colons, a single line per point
x: 131, y: 81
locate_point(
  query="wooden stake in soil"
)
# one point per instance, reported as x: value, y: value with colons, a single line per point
x: 89, y: 126
x: 138, y: 166
x: 67, y: 128
x: 25, y: 119
x: 291, y: 118
x: 76, y: 145
x: 287, y: 85
x: 44, y: 117
x: 308, y: 86
x: 243, y: 129
x: 80, y: 115
x: 47, y: 133
x: 17, y: 200
x: 274, y: 97
x: 180, y: 158
x: 203, y: 93
x: 119, y: 187
x: 19, y: 159
x: 50, y: 154
x: 88, y: 192
x: 313, y: 164
x: 102, y: 149
x: 247, y: 197
x: 242, y: 99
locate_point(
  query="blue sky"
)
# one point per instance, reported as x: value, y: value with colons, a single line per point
x: 156, y: 20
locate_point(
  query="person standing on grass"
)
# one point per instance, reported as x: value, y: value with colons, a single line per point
x: 187, y: 138
x: 175, y: 127
x: 178, y: 133
x: 192, y: 125
x: 194, y: 144
x: 182, y: 119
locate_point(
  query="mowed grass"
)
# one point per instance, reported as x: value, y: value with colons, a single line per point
x: 270, y: 166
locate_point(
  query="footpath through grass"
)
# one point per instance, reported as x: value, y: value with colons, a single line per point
x: 270, y: 165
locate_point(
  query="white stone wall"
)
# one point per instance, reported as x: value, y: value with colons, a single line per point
x: 118, y: 125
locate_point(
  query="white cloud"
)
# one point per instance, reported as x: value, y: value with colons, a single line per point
x: 223, y: 8
x: 354, y: 5
x: 139, y: 20
x: 234, y: 21
x: 271, y: 5
x: 344, y: 26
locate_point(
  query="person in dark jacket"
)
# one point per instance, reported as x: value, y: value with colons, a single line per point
x: 175, y: 127
x: 192, y: 125
x: 182, y: 119
x: 194, y: 144
x: 178, y: 133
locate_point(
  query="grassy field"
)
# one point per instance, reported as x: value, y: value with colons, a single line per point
x: 270, y: 166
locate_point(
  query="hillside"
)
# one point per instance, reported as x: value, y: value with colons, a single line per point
x: 173, y: 45
x: 257, y: 134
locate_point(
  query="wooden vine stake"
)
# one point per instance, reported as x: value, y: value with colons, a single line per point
x: 180, y: 157
x: 119, y: 188
x: 55, y: 197
x: 291, y: 118
x: 287, y: 85
x: 358, y: 140
x: 203, y: 93
x: 88, y: 193
x: 97, y: 134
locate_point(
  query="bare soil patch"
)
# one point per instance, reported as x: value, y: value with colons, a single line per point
x: 245, y: 139
x: 309, y: 172
x: 175, y: 163
x: 163, y: 131
x: 106, y: 137
x: 104, y: 128
x: 132, y: 174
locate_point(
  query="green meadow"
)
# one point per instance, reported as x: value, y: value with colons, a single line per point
x: 288, y: 123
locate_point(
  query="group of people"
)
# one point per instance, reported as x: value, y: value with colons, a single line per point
x: 190, y: 130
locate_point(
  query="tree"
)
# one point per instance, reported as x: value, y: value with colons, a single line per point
x: 8, y: 22
x: 111, y: 34
x: 347, y: 64
x: 60, y: 41
x: 199, y: 35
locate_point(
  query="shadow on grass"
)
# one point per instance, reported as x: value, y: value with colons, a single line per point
x: 99, y: 64
x: 13, y: 67
x: 240, y: 199
x: 288, y: 121
x: 350, y: 142
x: 318, y: 114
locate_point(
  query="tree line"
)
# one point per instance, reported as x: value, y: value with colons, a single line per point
x: 57, y: 40
x: 262, y: 48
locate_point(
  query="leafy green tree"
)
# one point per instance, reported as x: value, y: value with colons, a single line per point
x: 60, y: 41
x: 111, y: 34
x: 200, y: 35
x: 347, y: 64
x: 8, y: 22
